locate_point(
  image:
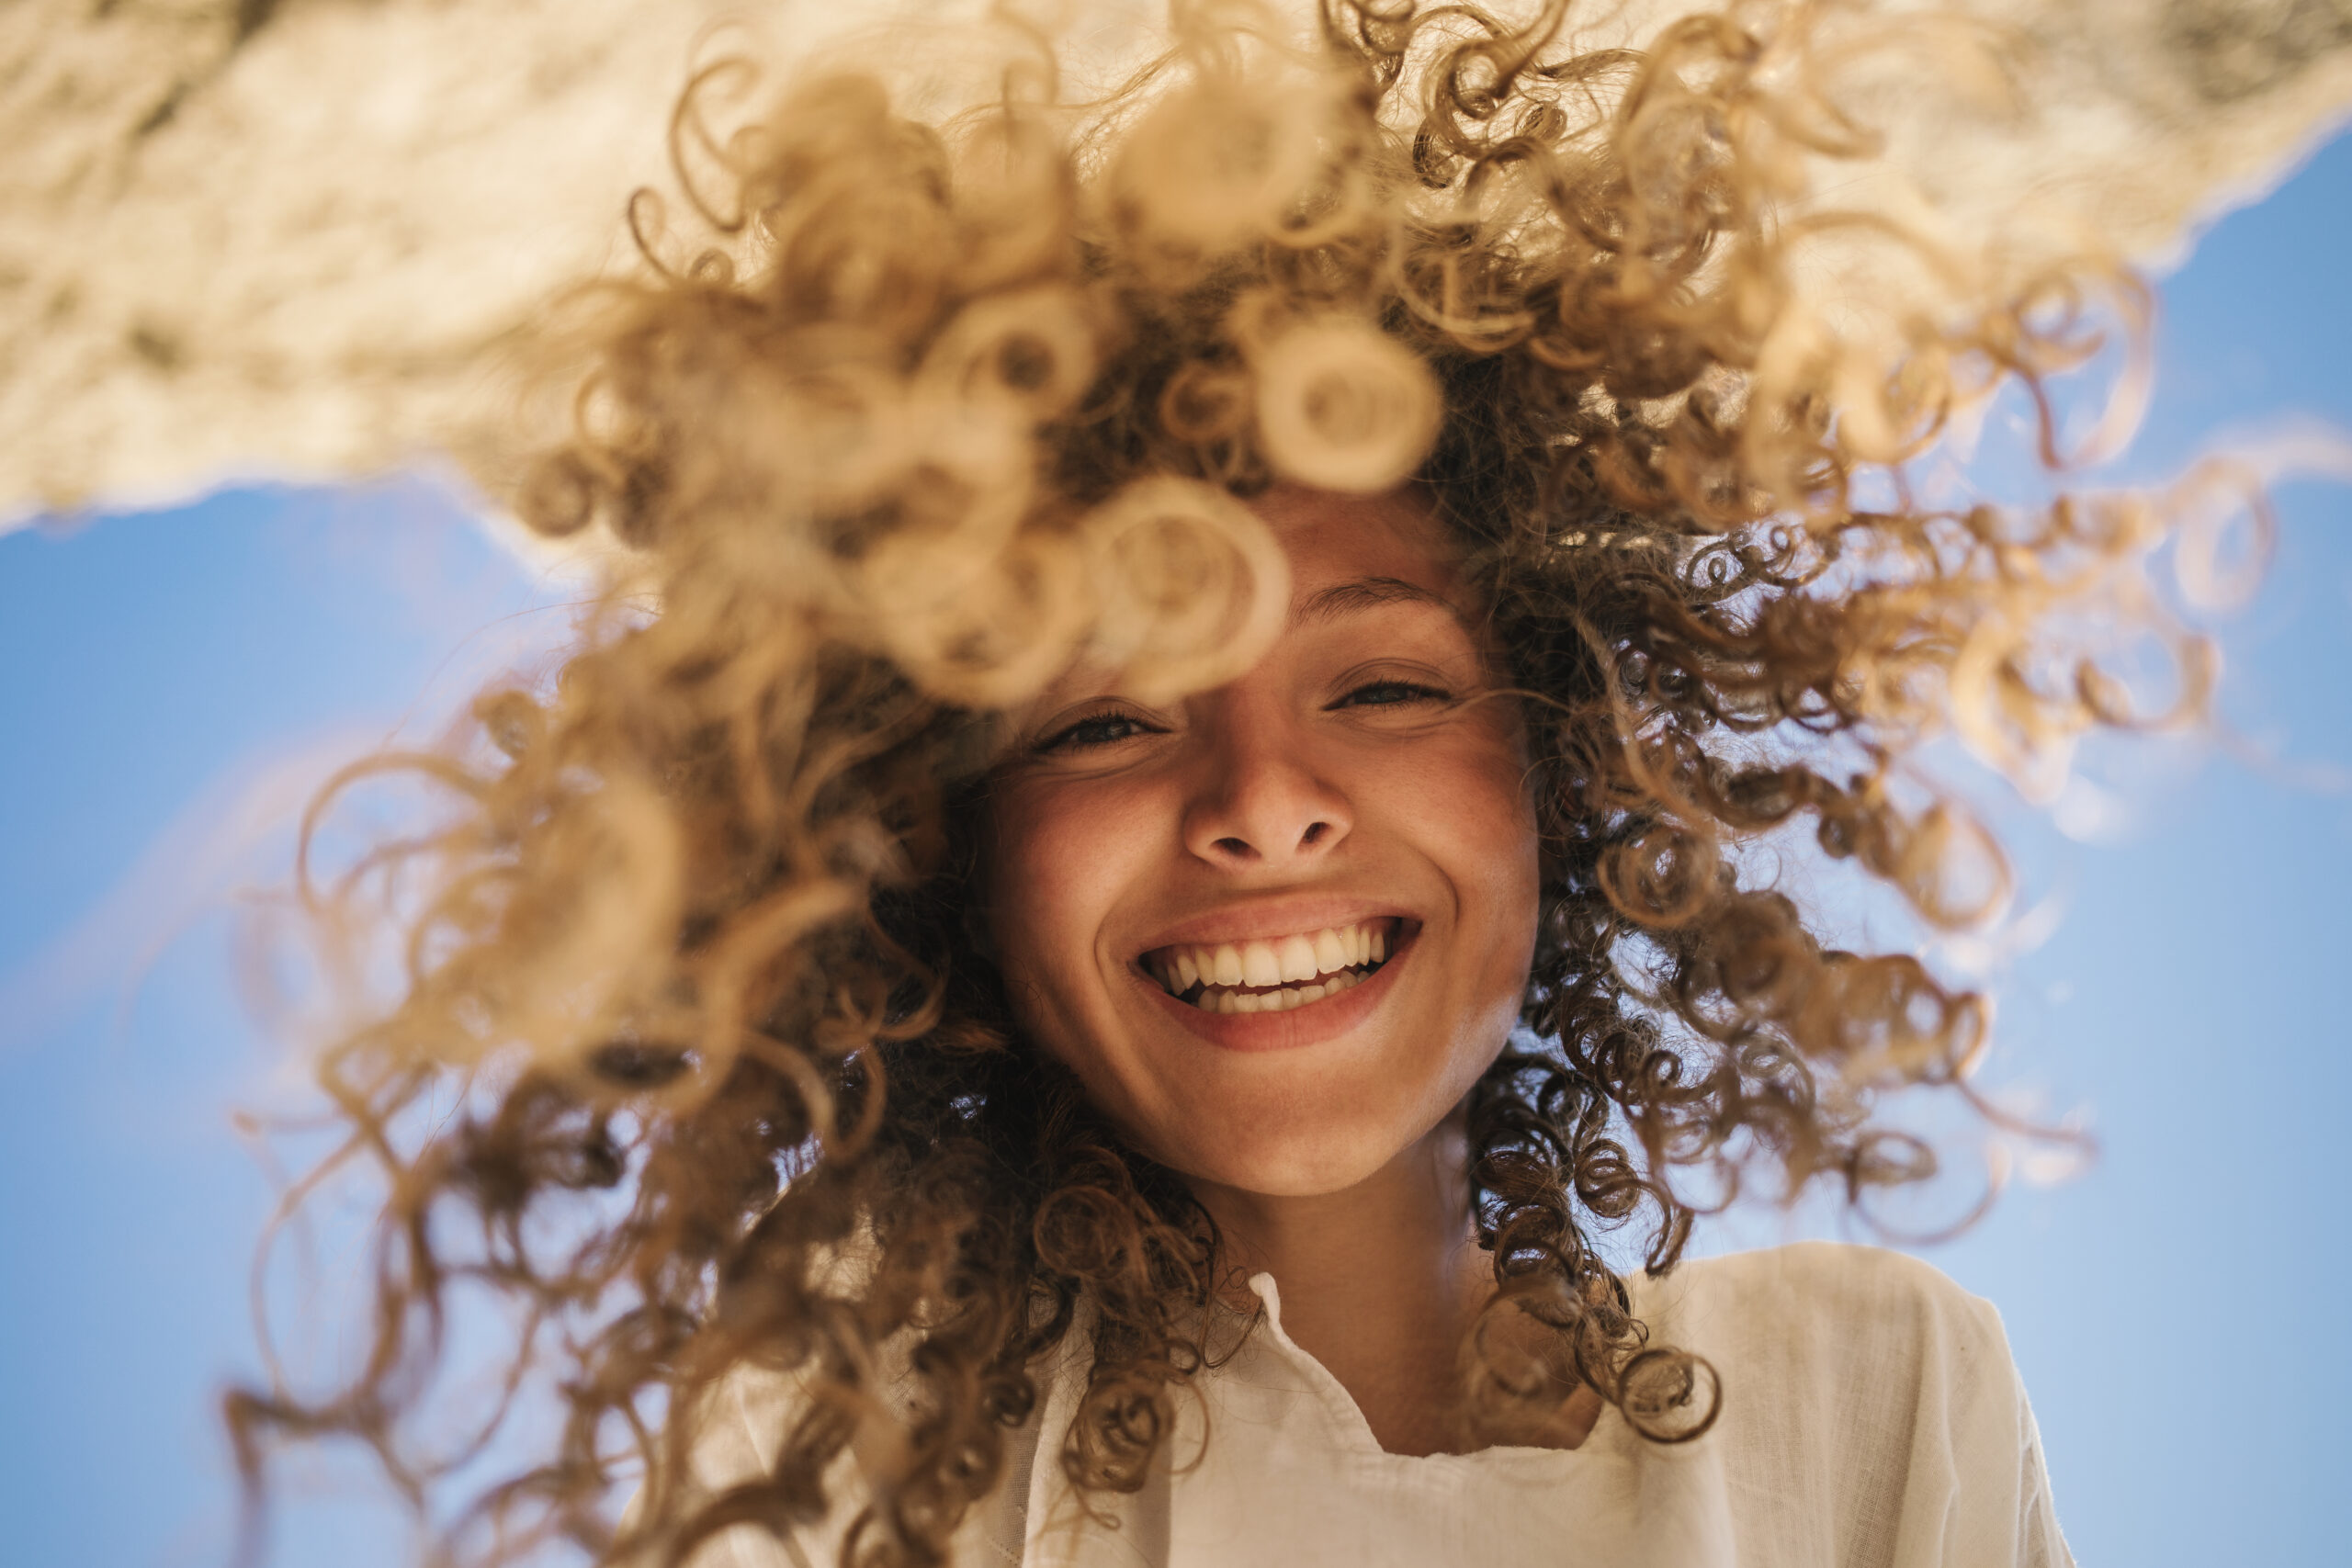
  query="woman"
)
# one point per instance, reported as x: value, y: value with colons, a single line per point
x: 1133, y: 936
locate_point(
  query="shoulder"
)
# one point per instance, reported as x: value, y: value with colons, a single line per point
x: 1869, y: 1341
x: 1824, y: 1269
x: 1847, y: 1301
x: 1872, y: 1393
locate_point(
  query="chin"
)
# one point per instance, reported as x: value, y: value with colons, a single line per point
x: 1299, y: 1150
x: 1282, y: 1173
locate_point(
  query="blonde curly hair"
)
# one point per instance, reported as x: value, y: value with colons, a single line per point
x: 943, y: 402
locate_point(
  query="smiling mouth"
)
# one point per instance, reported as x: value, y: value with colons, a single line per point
x: 1277, y: 973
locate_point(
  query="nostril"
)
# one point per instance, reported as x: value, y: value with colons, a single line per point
x: 1238, y: 847
x: 1314, y: 834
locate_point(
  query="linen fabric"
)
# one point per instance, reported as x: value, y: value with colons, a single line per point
x: 1871, y: 1418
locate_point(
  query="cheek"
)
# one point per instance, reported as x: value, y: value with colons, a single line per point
x: 1474, y: 810
x: 1058, y: 859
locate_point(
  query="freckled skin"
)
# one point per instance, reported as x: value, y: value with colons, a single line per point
x: 1326, y: 771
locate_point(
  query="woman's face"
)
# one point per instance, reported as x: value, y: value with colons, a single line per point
x: 1279, y: 928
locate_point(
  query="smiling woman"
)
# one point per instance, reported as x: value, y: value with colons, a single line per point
x: 1276, y: 830
x: 1143, y: 861
x: 1275, y: 966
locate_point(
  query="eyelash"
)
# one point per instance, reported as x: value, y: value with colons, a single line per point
x: 1413, y: 692
x: 1067, y: 737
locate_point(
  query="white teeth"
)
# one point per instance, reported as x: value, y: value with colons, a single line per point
x: 1278, y: 961
x: 1283, y: 1000
x: 1282, y: 971
x: 1296, y: 956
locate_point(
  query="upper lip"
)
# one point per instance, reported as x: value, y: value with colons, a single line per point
x: 1262, y: 919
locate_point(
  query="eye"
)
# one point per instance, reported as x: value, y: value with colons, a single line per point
x: 1096, y: 729
x: 1392, y: 694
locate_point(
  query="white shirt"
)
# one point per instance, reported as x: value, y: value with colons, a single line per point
x: 1871, y: 1418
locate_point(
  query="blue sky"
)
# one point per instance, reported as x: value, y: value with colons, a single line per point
x: 2176, y: 1309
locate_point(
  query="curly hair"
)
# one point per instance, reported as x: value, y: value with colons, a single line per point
x: 944, y: 401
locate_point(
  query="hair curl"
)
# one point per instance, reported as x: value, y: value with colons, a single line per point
x: 943, y: 402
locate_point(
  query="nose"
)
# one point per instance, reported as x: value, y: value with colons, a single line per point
x: 1259, y: 802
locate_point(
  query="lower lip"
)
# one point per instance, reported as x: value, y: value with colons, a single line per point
x: 1309, y: 1025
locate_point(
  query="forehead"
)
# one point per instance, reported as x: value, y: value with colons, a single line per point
x: 1332, y: 539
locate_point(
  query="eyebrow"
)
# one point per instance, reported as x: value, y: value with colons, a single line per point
x: 1365, y: 594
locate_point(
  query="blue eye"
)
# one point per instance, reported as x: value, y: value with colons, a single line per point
x: 1096, y: 729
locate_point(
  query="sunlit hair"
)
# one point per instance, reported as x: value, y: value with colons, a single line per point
x: 694, y: 1060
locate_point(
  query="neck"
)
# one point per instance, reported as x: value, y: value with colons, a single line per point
x: 1380, y: 1282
